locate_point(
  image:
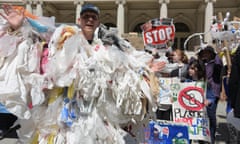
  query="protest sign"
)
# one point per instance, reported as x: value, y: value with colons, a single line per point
x: 188, y: 108
x: 158, y: 32
x: 187, y: 101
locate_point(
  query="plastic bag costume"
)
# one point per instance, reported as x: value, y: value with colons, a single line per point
x: 86, y: 91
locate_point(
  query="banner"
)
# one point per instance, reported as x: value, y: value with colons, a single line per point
x: 161, y: 132
x: 158, y: 32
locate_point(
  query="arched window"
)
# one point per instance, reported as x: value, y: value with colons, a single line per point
x: 181, y: 34
x: 110, y: 25
x: 137, y: 28
x: 181, y: 27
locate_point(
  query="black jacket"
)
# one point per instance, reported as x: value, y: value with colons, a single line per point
x: 234, y: 83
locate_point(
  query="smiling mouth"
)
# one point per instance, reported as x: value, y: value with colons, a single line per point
x: 89, y: 25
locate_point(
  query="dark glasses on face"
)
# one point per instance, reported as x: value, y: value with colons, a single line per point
x: 192, y: 67
x: 88, y: 16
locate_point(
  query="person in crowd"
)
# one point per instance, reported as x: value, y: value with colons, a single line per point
x: 234, y: 94
x: 179, y: 57
x: 164, y: 111
x: 233, y: 115
x: 196, y: 71
x: 89, y: 71
x: 213, y: 66
x: 169, y: 56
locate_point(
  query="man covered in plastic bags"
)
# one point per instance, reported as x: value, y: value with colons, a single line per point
x: 91, y: 82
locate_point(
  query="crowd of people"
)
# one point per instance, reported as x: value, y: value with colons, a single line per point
x: 85, y: 84
x: 205, y: 66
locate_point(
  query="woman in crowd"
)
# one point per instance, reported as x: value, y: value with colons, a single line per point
x: 213, y: 65
x: 180, y: 58
x: 196, y: 71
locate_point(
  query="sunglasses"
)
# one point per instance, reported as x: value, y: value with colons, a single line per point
x: 192, y: 67
x: 88, y: 16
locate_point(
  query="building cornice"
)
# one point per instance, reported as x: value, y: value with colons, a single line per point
x: 213, y: 1
x: 4, y: 1
x: 163, y: 1
x: 76, y: 2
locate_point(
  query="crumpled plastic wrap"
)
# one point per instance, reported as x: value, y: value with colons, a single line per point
x: 13, y: 89
x: 20, y: 65
x: 99, y: 87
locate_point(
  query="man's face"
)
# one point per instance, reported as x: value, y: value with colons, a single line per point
x: 89, y: 21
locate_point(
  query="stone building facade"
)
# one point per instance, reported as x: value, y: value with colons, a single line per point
x: 190, y: 16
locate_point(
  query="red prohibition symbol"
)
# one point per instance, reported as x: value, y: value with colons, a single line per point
x: 191, y: 98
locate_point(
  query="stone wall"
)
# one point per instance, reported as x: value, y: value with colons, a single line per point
x: 135, y: 39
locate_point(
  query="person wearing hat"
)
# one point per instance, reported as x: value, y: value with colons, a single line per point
x: 80, y: 84
x: 17, y: 21
x: 89, y: 21
x: 213, y: 67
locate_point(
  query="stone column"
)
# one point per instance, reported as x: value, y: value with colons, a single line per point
x: 39, y: 10
x: 120, y: 16
x: 28, y: 4
x: 163, y: 8
x: 208, y: 20
x: 79, y: 4
x: 200, y: 13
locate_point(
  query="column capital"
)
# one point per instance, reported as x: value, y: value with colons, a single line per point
x: 163, y: 1
x: 38, y: 2
x: 76, y: 2
x: 121, y: 2
x: 207, y: 1
x: 27, y: 1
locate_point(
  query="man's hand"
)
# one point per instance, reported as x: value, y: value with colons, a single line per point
x: 14, y: 17
x: 157, y: 66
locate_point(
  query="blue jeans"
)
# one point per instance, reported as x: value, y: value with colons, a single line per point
x: 211, y: 112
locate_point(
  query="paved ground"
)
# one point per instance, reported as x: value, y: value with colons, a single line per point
x: 221, y: 135
x: 222, y: 130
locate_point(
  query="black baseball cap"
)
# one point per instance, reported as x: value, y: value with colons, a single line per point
x: 90, y: 7
x: 209, y: 49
